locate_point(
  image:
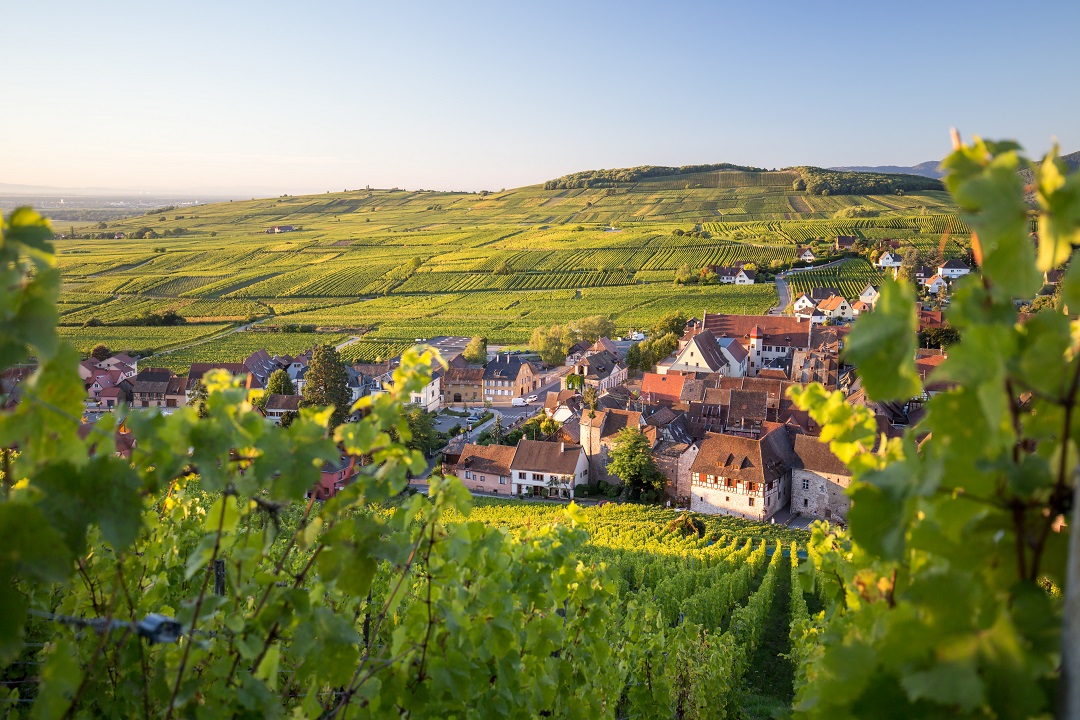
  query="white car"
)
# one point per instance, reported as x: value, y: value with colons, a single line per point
x: 531, y: 399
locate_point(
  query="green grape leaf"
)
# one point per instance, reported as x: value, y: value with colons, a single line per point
x: 882, y: 345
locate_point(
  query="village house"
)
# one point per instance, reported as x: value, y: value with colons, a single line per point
x: 507, y: 377
x: 576, y: 352
x: 952, y: 269
x: 463, y: 385
x: 429, y: 398
x: 600, y: 370
x: 836, y: 308
x: 734, y: 275
x: 333, y: 477
x: 661, y: 388
x: 485, y: 468
x: 846, y: 242
x: 277, y: 406
x: 870, y: 295
x: 562, y: 405
x: 803, y: 306
x: 705, y: 353
x: 158, y: 387
x: 804, y: 253
x: 741, y: 476
x: 1053, y: 277
x: 280, y: 229
x: 547, y: 469
x: 934, y: 284
x: 819, y: 481
x: 889, y: 260
x: 237, y: 370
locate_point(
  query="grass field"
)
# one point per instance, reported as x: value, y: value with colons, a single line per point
x: 398, y: 265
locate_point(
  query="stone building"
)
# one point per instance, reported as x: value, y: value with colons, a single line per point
x: 818, y: 481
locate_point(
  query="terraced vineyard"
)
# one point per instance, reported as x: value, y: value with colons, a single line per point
x: 396, y: 265
x: 850, y: 278
x: 726, y: 577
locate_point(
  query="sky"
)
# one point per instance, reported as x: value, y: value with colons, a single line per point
x: 264, y: 98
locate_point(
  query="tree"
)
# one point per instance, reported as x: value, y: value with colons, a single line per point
x: 422, y: 433
x: 908, y: 264
x: 502, y: 267
x: 631, y: 460
x: 593, y: 328
x: 100, y: 352
x: 549, y: 426
x: 326, y: 383
x: 198, y: 399
x: 588, y: 396
x: 672, y: 322
x: 684, y: 275
x: 633, y: 356
x: 497, y: 430
x: 476, y: 351
x: 279, y: 383
x: 548, y: 343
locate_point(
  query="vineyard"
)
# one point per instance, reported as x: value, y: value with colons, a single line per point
x: 850, y: 278
x: 732, y: 579
x: 401, y: 265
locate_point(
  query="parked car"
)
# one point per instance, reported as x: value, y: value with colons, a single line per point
x: 531, y: 399
x: 519, y: 402
x: 472, y: 419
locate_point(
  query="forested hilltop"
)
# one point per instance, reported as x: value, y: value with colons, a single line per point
x: 813, y: 180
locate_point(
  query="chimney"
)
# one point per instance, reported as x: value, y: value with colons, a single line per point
x: 562, y: 447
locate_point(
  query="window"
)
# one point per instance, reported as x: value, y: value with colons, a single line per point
x: 727, y: 498
x: 805, y: 502
x: 751, y: 502
x: 521, y: 476
x: 538, y: 476
x: 502, y: 480
x: 468, y: 475
x: 483, y: 478
x: 805, y: 484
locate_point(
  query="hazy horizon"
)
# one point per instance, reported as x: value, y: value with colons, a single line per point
x: 264, y: 99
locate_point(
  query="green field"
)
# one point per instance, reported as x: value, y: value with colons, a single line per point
x: 397, y: 265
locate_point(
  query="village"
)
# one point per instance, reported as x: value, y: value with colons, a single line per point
x: 713, y: 417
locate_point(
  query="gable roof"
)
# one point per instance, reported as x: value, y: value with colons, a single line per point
x: 550, y: 457
x: 493, y: 459
x: 815, y: 456
x: 764, y: 459
x: 773, y: 329
x: 954, y: 264
x: 708, y: 349
x: 821, y: 293
x: 831, y: 303
x: 661, y: 388
x: 464, y: 376
x: 505, y: 367
x: 284, y: 403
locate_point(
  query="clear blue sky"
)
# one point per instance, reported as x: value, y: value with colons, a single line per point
x: 272, y: 97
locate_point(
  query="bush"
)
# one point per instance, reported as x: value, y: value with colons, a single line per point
x: 93, y: 322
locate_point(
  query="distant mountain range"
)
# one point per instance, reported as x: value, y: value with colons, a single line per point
x: 927, y: 169
x: 931, y: 169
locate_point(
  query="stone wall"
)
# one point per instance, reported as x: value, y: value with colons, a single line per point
x: 820, y: 495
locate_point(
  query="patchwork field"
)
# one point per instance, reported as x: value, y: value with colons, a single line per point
x: 393, y: 266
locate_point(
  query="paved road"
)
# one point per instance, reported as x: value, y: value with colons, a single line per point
x: 347, y: 343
